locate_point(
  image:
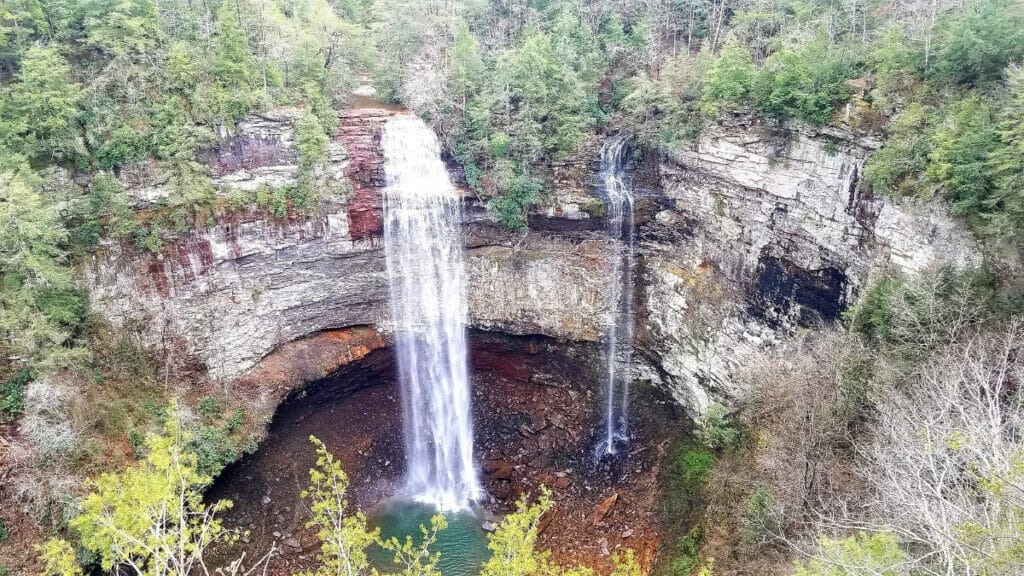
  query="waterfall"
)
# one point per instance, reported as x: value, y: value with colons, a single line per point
x: 620, y: 294
x: 423, y: 246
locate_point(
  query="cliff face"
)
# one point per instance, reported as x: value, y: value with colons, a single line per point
x: 754, y: 231
x: 763, y: 229
x: 250, y: 284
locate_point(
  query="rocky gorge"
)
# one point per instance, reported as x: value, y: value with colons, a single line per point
x: 753, y: 230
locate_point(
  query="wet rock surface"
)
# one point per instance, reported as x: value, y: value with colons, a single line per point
x: 357, y: 412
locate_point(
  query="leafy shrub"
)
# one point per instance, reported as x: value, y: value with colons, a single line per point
x: 687, y: 472
x: 715, y: 431
x: 12, y: 392
x: 959, y: 160
x: 5, y: 532
x: 685, y: 552
x: 878, y: 554
x: 898, y: 166
x: 759, y: 516
x: 509, y: 207
x: 211, y: 407
x: 214, y: 449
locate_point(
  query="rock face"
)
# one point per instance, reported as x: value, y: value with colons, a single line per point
x: 764, y: 229
x: 250, y: 284
x: 749, y: 233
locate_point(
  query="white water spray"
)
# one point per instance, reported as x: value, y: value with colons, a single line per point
x: 620, y: 332
x: 423, y: 245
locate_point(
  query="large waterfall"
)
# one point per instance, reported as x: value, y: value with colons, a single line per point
x: 620, y: 332
x: 423, y: 245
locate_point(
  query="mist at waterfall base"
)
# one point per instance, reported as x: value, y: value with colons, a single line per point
x: 423, y: 248
x: 619, y: 349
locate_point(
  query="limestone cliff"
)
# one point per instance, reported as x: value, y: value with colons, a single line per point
x: 748, y: 233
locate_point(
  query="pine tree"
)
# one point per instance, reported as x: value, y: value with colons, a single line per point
x: 1007, y: 162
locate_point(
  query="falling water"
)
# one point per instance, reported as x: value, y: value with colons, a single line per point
x: 620, y: 332
x: 423, y: 246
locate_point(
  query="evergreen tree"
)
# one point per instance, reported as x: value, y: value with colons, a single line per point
x: 1007, y: 162
x: 41, y: 107
x: 38, y: 304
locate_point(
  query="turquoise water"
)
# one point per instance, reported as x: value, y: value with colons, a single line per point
x: 463, y: 545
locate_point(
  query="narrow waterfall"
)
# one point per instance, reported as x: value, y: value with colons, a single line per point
x: 423, y: 245
x: 620, y: 293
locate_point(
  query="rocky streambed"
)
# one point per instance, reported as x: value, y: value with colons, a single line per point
x: 537, y: 410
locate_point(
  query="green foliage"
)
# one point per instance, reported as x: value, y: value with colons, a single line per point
x: 872, y: 315
x: 234, y: 67
x: 39, y: 306
x: 1006, y: 164
x: 859, y: 554
x: 11, y: 392
x: 151, y: 517
x: 5, y: 532
x: 976, y: 44
x: 959, y: 159
x: 897, y: 168
x: 513, y: 543
x: 344, y: 537
x: 684, y: 552
x: 715, y: 431
x: 805, y: 83
x: 416, y: 559
x: 728, y: 81
x: 58, y: 558
x: 39, y: 111
x: 686, y: 473
x: 211, y: 407
x: 103, y: 211
x: 759, y: 518
x: 517, y: 191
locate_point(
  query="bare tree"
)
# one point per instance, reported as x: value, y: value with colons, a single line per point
x: 944, y: 463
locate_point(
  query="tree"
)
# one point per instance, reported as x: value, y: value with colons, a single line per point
x: 42, y: 105
x: 416, y: 559
x: 39, y: 307
x: 944, y: 462
x: 1007, y: 161
x: 344, y: 537
x: 151, y: 518
x: 959, y: 161
x: 728, y: 80
x: 858, y: 555
x: 121, y: 28
x: 467, y: 66
x: 234, y: 67
x: 514, y: 542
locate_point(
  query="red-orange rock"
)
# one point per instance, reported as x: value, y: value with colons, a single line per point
x: 602, y: 509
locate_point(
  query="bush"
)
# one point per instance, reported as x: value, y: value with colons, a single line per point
x: 12, y: 392
x: 685, y: 552
x: 5, y: 532
x: 715, y: 431
x: 686, y: 473
x: 510, y: 206
x: 211, y: 407
x: 959, y: 160
x: 760, y: 520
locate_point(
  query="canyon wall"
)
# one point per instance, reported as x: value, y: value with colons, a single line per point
x: 744, y: 236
